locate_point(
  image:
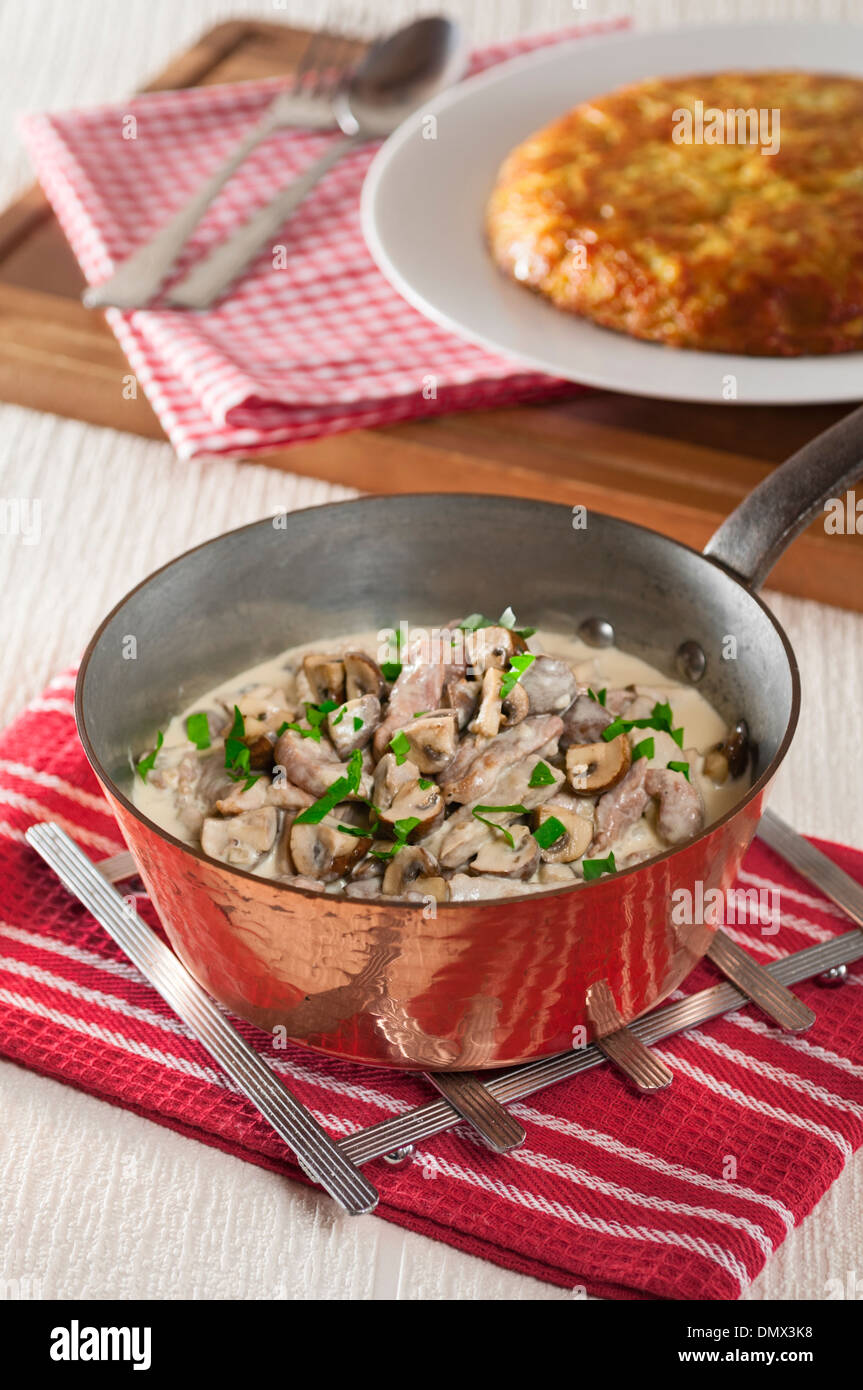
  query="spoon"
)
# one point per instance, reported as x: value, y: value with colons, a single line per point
x: 397, y: 75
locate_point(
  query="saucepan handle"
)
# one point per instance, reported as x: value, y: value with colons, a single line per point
x: 752, y: 539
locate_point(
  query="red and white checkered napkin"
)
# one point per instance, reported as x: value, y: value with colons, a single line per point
x: 323, y: 345
x: 680, y: 1195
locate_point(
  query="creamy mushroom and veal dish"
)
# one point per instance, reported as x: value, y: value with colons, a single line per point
x: 476, y: 760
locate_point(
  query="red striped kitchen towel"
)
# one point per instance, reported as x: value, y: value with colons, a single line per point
x: 319, y: 345
x: 682, y: 1195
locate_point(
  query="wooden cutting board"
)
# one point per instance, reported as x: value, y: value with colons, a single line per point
x: 678, y: 468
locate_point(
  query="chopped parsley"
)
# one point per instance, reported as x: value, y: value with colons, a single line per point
x: 340, y: 790
x: 358, y: 723
x: 548, y: 832
x: 542, y: 776
x: 401, y: 746
x: 282, y: 727
x: 315, y: 717
x: 482, y: 813
x: 425, y: 783
x: 354, y: 830
x: 599, y: 698
x: 237, y: 754
x: 661, y: 719
x: 595, y: 868
x: 474, y: 621
x: 147, y: 763
x: 401, y: 831
x: 645, y: 749
x: 680, y: 767
x: 391, y: 670
x: 517, y: 668
x: 198, y: 730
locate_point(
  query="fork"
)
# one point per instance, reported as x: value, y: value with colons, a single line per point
x: 138, y: 279
x: 319, y: 1156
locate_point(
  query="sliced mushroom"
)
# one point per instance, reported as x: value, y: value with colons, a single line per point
x: 352, y: 724
x: 461, y: 695
x: 492, y: 646
x: 432, y: 738
x: 490, y: 712
x: 390, y: 777
x: 363, y: 676
x: 499, y: 858
x: 241, y: 840
x: 594, y: 767
x: 415, y: 802
x: 368, y: 867
x: 515, y: 707
x: 408, y: 864
x: 261, y: 752
x: 326, y: 676
x: 324, y: 851
x: 573, y: 842
x: 550, y: 684
x: 434, y: 886
x: 729, y: 757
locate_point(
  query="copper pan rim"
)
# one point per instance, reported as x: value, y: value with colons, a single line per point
x: 757, y: 789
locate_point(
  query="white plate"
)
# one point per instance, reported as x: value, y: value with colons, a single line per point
x: 424, y: 199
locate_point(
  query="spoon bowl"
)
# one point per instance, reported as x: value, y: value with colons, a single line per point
x: 398, y: 74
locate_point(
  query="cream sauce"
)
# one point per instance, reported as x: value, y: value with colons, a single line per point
x: 278, y: 685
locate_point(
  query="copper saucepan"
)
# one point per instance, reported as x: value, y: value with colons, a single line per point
x: 482, y: 984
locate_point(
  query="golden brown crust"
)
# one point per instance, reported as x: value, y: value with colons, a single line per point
x: 699, y: 245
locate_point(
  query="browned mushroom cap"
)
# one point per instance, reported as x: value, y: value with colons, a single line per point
x: 324, y: 851
x: 407, y: 866
x: 432, y: 738
x: 369, y: 867
x: 493, y: 646
x: 414, y: 802
x: 730, y: 756
x: 515, y: 707
x: 462, y: 696
x: 518, y: 860
x: 363, y: 676
x: 594, y: 767
x: 489, y: 715
x: 577, y: 834
x: 352, y: 724
x: 326, y: 676
x: 241, y: 840
x: 261, y: 752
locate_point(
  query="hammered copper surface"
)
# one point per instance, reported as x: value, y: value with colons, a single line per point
x: 482, y: 984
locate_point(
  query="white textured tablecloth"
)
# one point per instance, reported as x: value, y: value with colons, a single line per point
x: 94, y: 1201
